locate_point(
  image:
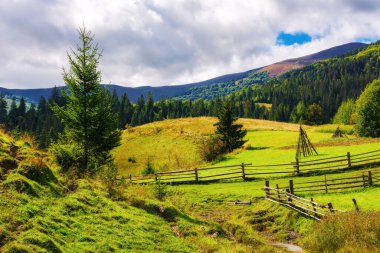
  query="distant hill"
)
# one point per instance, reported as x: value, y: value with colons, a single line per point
x: 218, y: 86
x: 296, y: 63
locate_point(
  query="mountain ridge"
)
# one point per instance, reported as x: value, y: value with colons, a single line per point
x: 166, y: 91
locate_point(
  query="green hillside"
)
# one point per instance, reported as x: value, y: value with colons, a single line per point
x: 42, y: 210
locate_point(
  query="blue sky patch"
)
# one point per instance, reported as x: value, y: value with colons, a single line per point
x: 366, y: 39
x: 287, y: 39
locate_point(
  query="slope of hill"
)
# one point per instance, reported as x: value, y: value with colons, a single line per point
x: 218, y: 86
x: 296, y: 63
x: 326, y: 83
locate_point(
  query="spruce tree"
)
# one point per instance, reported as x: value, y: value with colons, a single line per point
x: 3, y: 109
x: 90, y: 125
x: 12, y: 115
x: 231, y: 134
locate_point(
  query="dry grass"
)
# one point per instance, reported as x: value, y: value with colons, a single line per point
x: 348, y: 232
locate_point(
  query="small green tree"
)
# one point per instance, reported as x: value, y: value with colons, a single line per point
x: 344, y: 115
x: 90, y: 125
x: 367, y: 111
x: 298, y: 113
x: 314, y: 114
x: 231, y: 134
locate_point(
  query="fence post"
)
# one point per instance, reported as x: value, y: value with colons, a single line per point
x: 130, y: 178
x: 289, y: 196
x: 267, y: 191
x: 330, y: 207
x: 196, y: 174
x: 369, y: 178
x: 349, y: 160
x: 278, y: 193
x: 291, y: 187
x: 155, y: 177
x: 326, y: 184
x: 243, y: 171
x: 364, y: 181
x: 297, y: 166
x: 356, y: 205
x: 314, y: 208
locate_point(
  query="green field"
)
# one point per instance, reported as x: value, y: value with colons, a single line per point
x: 101, y: 216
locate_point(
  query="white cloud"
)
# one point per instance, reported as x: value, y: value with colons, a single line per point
x: 154, y: 42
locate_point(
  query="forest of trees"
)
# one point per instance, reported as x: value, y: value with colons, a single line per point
x: 41, y: 122
x: 325, y: 83
x: 311, y: 95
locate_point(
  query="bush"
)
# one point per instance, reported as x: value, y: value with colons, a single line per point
x: 149, y: 169
x: 347, y: 232
x: 367, y: 114
x: 344, y: 115
x: 211, y: 149
x: 314, y: 114
x: 66, y: 156
x: 132, y: 159
x: 160, y: 190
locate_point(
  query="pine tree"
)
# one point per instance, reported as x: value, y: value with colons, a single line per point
x: 90, y: 125
x: 12, y: 115
x: 231, y: 134
x: 149, y: 112
x: 21, y: 111
x: 3, y: 109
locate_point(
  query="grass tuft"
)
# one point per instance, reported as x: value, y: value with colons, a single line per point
x: 347, y: 232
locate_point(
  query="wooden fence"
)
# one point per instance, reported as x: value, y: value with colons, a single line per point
x: 347, y: 161
x: 247, y: 171
x: 304, y: 206
x: 209, y: 174
x: 332, y: 185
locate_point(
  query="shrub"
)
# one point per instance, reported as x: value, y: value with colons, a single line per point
x: 149, y: 169
x: 344, y: 115
x: 160, y: 189
x: 66, y: 156
x: 314, y: 114
x: 132, y: 159
x: 211, y: 149
x: 367, y: 114
x: 347, y: 232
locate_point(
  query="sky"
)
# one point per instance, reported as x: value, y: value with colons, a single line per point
x: 167, y: 42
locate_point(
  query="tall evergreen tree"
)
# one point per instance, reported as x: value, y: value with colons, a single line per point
x: 90, y: 125
x: 21, y: 111
x: 231, y: 134
x: 3, y: 109
x: 12, y: 115
x: 149, y: 112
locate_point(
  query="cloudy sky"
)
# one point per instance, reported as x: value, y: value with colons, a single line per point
x: 156, y: 42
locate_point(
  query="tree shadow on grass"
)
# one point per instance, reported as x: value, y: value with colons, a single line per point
x: 257, y: 148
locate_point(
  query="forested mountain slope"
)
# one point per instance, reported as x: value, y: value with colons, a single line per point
x: 326, y: 83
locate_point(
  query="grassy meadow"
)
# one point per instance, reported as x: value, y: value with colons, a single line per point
x: 52, y: 213
x: 173, y: 144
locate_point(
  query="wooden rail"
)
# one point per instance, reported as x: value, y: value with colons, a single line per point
x: 326, y: 185
x: 248, y: 171
x: 342, y: 162
x: 308, y: 208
